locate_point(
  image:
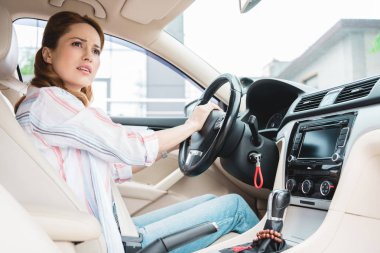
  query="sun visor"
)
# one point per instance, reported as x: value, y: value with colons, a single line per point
x: 145, y: 11
x: 99, y: 11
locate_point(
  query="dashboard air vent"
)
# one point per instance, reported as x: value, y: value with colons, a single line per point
x: 310, y: 102
x: 355, y: 91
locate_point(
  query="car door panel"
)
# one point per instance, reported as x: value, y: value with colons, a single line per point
x: 152, y: 123
x: 163, y: 183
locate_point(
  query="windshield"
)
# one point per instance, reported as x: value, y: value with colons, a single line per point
x: 316, y: 42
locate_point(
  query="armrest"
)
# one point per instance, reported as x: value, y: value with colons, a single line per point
x: 173, y: 241
x: 66, y: 225
x: 137, y: 196
x: 136, y: 190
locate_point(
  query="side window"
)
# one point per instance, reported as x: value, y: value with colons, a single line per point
x: 130, y: 81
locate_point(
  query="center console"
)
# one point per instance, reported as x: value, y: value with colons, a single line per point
x: 314, y: 159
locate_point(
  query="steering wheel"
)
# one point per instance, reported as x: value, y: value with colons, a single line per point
x: 200, y: 150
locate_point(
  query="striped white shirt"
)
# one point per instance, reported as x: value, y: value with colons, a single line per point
x: 86, y: 148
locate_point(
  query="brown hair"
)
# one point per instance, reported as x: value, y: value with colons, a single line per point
x: 58, y: 25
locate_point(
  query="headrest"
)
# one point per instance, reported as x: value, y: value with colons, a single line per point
x: 8, y: 45
x: 4, y: 100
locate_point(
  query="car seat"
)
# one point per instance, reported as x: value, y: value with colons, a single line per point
x: 27, y: 176
x: 18, y: 231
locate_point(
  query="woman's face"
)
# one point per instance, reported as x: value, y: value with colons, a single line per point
x: 77, y: 56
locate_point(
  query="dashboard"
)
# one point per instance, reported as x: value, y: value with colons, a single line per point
x: 318, y: 128
x: 270, y: 99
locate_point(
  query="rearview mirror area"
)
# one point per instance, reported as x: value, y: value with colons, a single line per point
x: 246, y: 5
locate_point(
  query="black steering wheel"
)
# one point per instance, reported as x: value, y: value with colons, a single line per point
x: 199, y: 151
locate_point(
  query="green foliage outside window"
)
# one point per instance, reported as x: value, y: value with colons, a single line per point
x: 376, y: 44
x: 27, y: 63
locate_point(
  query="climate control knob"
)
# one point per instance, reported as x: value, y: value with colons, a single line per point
x: 336, y: 158
x: 326, y: 187
x: 307, y: 186
x: 291, y: 184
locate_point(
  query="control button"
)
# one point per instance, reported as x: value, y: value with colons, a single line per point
x: 340, y: 143
x: 307, y: 186
x: 342, y: 140
x: 344, y: 130
x: 291, y: 158
x: 298, y: 138
x: 326, y: 188
x: 342, y: 136
x: 336, y: 158
x: 291, y: 184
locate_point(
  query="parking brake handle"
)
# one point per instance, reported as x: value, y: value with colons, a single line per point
x: 173, y: 241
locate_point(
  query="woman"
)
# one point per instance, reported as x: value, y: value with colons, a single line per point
x: 88, y: 150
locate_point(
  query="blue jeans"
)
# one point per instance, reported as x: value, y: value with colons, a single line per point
x: 230, y: 212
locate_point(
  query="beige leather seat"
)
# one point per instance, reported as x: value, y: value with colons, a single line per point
x: 9, y: 85
x: 18, y: 232
x: 27, y: 176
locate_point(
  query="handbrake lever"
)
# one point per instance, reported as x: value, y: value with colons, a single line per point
x: 182, y: 237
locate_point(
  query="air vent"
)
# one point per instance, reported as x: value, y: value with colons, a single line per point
x: 310, y: 102
x: 355, y: 91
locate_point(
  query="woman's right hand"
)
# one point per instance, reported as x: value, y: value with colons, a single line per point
x: 199, y: 116
x: 170, y: 138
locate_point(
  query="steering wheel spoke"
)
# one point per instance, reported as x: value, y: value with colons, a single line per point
x: 219, y: 123
x: 193, y: 155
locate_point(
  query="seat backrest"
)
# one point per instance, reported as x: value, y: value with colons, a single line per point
x: 9, y: 85
x: 6, y: 102
x: 23, y: 171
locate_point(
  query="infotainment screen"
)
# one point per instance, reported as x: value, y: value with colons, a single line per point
x: 319, y: 143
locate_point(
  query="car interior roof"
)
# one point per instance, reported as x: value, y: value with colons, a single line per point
x: 149, y: 35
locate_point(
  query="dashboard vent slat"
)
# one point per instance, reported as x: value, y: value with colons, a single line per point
x: 310, y: 102
x: 355, y: 91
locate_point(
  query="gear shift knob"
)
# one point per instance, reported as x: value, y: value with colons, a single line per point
x: 278, y: 201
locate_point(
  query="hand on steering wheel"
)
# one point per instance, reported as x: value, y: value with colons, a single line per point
x: 200, y: 114
x: 198, y: 152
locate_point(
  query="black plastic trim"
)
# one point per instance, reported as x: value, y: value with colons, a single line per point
x: 153, y: 123
x: 372, y: 98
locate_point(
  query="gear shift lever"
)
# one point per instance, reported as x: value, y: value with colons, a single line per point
x: 278, y: 201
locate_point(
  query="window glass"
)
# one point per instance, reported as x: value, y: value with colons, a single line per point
x: 320, y: 43
x: 130, y: 81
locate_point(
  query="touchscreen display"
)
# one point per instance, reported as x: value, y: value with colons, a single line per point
x: 319, y: 143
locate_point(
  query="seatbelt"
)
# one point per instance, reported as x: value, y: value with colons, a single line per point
x: 127, y: 228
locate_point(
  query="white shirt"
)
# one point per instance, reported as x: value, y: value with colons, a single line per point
x: 86, y: 148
